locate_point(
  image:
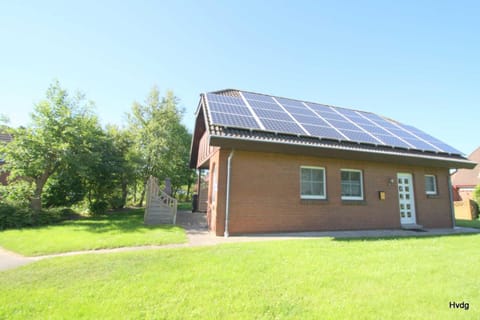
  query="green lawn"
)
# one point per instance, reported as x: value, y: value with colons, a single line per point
x: 185, y: 206
x: 107, y: 231
x: 468, y: 223
x: 410, y: 278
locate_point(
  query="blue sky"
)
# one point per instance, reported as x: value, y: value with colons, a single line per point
x: 413, y: 61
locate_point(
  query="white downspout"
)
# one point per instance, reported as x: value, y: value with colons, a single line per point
x: 450, y: 191
x: 227, y: 204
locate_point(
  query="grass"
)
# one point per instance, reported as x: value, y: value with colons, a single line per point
x: 409, y: 278
x: 184, y: 206
x: 112, y: 230
x: 468, y: 223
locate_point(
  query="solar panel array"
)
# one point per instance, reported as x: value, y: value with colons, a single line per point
x: 267, y: 113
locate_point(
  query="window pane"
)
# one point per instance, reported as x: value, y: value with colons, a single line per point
x: 351, y: 183
x: 317, y: 175
x: 356, y: 190
x: 430, y: 184
x: 305, y: 174
x: 355, y: 176
x: 311, y: 183
x: 317, y: 188
x: 306, y: 188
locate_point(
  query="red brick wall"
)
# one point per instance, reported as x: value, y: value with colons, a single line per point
x: 265, y: 195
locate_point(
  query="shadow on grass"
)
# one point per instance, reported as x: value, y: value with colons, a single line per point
x: 123, y: 222
x: 468, y: 223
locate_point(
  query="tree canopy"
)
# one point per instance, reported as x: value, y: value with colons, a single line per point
x: 64, y: 156
x: 161, y: 140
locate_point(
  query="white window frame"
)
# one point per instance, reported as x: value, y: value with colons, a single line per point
x: 361, y: 197
x: 433, y: 192
x: 317, y: 197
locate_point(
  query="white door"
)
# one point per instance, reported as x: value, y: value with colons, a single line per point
x: 406, y: 198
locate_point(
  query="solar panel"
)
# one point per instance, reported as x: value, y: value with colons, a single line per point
x: 270, y: 114
x: 446, y: 148
x: 263, y: 105
x: 400, y: 133
x: 231, y: 120
x: 420, y: 145
x: 380, y: 121
x: 428, y: 138
x: 373, y: 129
x: 225, y: 99
x: 331, y: 115
x: 318, y: 107
x: 295, y: 110
x: 318, y: 120
x: 347, y: 112
x: 343, y: 125
x: 359, y: 136
x: 258, y: 97
x: 323, y: 132
x: 359, y: 120
x: 231, y: 112
x: 390, y: 140
x: 230, y: 108
x: 313, y: 120
x: 282, y: 126
x: 289, y: 102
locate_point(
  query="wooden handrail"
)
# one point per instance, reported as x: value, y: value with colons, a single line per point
x: 154, y: 192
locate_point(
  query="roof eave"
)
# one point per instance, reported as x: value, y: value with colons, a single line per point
x: 339, y: 151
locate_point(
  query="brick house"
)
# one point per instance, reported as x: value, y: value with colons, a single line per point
x: 279, y: 165
x: 4, y: 138
x: 465, y: 181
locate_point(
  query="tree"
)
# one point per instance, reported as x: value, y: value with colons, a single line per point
x: 4, y: 120
x: 160, y: 139
x: 61, y: 133
x: 128, y: 161
x: 476, y: 194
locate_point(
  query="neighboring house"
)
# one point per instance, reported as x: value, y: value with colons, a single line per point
x: 277, y: 164
x: 465, y: 181
x: 4, y: 138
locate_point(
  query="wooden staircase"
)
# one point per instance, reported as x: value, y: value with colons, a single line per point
x: 161, y: 208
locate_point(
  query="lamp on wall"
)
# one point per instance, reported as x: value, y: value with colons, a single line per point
x: 391, y: 181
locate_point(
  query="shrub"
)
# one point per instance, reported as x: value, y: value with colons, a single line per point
x: 476, y: 194
x: 115, y: 201
x: 12, y: 217
x: 98, y: 207
x: 17, y: 193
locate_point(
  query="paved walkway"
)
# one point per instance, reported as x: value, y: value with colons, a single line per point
x: 198, y: 235
x: 10, y: 260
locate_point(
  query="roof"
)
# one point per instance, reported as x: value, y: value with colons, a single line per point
x: 235, y: 119
x: 468, y: 178
x: 5, y: 137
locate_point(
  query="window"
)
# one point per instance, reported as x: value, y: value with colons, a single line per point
x: 352, y: 184
x: 430, y: 184
x: 312, y: 183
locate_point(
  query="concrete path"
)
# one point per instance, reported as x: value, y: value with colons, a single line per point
x: 10, y: 260
x: 196, y: 228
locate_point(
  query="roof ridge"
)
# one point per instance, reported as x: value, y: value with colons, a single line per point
x: 298, y: 100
